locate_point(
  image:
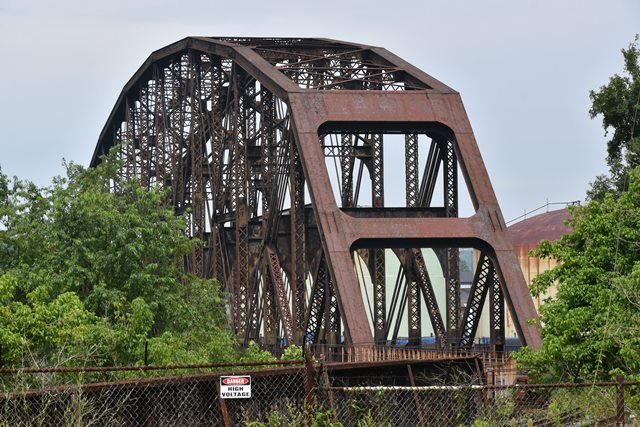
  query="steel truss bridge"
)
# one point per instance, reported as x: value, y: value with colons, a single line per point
x: 320, y: 174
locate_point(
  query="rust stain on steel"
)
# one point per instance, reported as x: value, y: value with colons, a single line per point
x: 252, y: 135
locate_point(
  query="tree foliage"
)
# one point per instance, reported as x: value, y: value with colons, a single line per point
x: 618, y: 104
x: 88, y: 275
x: 591, y: 327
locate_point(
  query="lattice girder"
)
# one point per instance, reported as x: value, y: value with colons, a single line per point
x: 258, y: 108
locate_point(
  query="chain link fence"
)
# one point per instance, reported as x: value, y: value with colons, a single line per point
x: 528, y: 405
x: 295, y: 394
x: 134, y: 397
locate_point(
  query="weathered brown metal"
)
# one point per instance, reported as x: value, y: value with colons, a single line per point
x: 298, y: 245
x: 244, y: 132
x: 482, y: 281
x: 317, y: 302
x: 429, y: 297
x: 496, y: 315
x: 377, y: 261
x: 278, y: 284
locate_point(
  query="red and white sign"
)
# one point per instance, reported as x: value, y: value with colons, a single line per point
x: 235, y: 387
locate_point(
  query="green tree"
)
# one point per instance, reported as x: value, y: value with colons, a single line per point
x: 88, y: 275
x: 618, y: 104
x: 591, y: 327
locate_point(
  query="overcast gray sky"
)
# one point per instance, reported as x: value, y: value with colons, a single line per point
x: 524, y: 69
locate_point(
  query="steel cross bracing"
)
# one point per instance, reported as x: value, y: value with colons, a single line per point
x: 285, y: 157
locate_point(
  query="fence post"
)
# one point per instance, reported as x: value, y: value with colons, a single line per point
x: 478, y: 371
x: 308, y: 386
x: 416, y: 396
x: 620, y: 400
x: 327, y: 386
x: 224, y: 411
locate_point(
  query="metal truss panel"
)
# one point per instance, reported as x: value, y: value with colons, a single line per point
x: 496, y: 315
x: 429, y: 296
x: 275, y: 272
x: 482, y: 281
x: 232, y: 127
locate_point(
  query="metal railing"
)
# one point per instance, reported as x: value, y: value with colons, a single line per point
x: 343, y: 353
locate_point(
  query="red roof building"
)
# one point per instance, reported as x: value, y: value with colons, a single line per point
x: 526, y: 235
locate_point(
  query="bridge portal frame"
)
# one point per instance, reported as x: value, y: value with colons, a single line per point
x: 396, y: 97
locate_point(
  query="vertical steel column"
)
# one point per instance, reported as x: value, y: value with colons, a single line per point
x: 314, y: 319
x: 496, y: 314
x: 267, y: 174
x: 332, y: 322
x: 178, y: 150
x: 298, y: 243
x: 346, y: 164
x: 249, y: 113
x: 240, y: 196
x: 143, y: 136
x: 268, y: 163
x: 168, y: 137
x: 160, y: 128
x: 215, y: 169
x: 269, y: 321
x: 411, y: 169
x: 377, y: 267
x: 248, y: 117
x: 127, y: 147
x: 174, y: 120
x: 377, y: 170
x: 135, y: 136
x: 414, y: 311
x: 377, y: 255
x: 197, y: 182
x: 453, y: 256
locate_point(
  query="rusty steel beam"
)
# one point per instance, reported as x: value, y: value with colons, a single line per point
x: 496, y: 315
x: 298, y: 245
x: 482, y: 281
x: 452, y: 267
x: 279, y: 146
x: 414, y: 312
x: 275, y: 272
x: 429, y: 296
x: 411, y: 196
x: 317, y: 302
x: 377, y: 261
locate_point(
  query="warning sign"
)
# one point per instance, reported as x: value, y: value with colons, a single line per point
x: 235, y: 387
